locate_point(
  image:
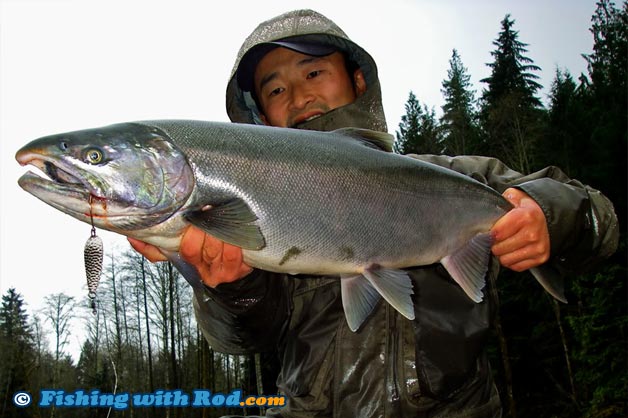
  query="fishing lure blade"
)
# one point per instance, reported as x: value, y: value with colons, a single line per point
x: 93, y: 255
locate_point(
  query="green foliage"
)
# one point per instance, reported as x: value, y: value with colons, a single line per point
x: 459, y: 120
x: 599, y: 327
x: 608, y: 63
x: 511, y: 115
x: 512, y: 71
x: 607, y: 92
x: 16, y: 350
x: 566, y: 126
x: 419, y: 132
x: 565, y: 360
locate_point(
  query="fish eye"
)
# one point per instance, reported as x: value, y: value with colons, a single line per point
x: 94, y: 156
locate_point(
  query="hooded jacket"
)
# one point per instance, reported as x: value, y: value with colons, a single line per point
x: 433, y: 366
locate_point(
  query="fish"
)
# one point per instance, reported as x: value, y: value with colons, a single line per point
x: 296, y: 201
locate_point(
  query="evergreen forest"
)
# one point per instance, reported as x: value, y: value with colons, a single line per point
x: 549, y: 359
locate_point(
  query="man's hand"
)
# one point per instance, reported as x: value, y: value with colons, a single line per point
x: 216, y: 261
x: 521, y: 236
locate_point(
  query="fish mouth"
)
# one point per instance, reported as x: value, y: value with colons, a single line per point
x: 56, y: 185
x: 58, y: 175
x: 51, y: 168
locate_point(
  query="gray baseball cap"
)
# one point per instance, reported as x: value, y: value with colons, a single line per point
x: 246, y: 70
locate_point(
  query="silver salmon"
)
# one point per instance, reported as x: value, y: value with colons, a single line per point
x: 296, y: 201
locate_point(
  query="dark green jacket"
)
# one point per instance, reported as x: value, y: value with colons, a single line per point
x: 434, y: 366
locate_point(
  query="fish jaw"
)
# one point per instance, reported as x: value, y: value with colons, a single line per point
x: 138, y: 180
x: 63, y: 189
x: 70, y: 198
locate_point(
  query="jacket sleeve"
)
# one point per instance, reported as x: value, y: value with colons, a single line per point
x: 244, y: 316
x: 581, y: 221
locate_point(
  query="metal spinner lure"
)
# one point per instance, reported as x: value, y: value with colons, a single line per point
x: 93, y: 255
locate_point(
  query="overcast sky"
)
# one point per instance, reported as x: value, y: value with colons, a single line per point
x: 74, y: 64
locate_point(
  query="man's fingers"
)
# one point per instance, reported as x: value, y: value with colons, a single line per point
x: 191, y: 245
x: 216, y: 261
x: 519, y: 239
x: 151, y: 252
x: 233, y: 262
x: 226, y: 267
x: 521, y: 235
x: 507, y: 226
x: 525, y: 257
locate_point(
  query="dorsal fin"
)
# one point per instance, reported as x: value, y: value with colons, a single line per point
x: 374, y: 139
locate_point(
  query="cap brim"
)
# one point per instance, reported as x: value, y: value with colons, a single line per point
x: 246, y: 69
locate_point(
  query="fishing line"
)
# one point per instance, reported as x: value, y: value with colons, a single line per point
x: 93, y: 256
x: 113, y: 364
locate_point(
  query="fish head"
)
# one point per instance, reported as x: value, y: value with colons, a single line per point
x: 121, y: 177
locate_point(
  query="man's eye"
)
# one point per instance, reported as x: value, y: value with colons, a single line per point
x: 313, y: 74
x: 275, y: 92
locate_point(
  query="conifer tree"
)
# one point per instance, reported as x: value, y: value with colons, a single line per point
x: 460, y: 132
x: 608, y: 72
x: 511, y: 114
x: 567, y: 125
x: 16, y: 350
x: 512, y: 71
x: 601, y: 322
x: 419, y: 132
x: 608, y: 63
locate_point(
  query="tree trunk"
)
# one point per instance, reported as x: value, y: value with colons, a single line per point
x: 146, y: 318
x: 173, y: 344
x: 503, y: 348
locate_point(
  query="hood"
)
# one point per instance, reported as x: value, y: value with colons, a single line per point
x: 307, y: 25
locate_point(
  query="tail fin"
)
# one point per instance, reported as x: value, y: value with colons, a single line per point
x: 551, y: 281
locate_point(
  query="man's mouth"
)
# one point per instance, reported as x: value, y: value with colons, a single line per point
x: 312, y: 117
x: 307, y: 117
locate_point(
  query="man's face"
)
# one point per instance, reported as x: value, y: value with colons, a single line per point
x: 292, y: 87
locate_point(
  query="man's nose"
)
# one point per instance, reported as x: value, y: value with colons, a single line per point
x: 301, y: 96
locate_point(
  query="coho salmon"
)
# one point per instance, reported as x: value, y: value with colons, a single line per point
x: 296, y: 201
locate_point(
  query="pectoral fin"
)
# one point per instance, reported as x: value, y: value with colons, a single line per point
x: 231, y: 222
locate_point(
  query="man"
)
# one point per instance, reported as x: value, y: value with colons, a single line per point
x: 300, y: 70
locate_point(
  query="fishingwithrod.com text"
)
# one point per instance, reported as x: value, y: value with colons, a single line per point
x: 198, y: 398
